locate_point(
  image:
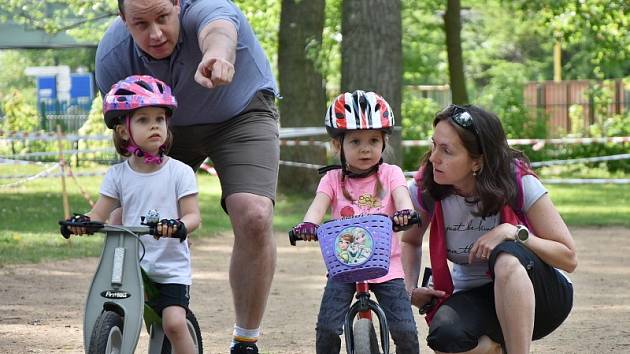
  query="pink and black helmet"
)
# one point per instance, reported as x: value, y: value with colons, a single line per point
x: 135, y: 92
x: 358, y: 110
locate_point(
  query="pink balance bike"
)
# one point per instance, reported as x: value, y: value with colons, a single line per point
x: 355, y: 250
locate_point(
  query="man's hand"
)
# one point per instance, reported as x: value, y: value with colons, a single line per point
x: 213, y: 72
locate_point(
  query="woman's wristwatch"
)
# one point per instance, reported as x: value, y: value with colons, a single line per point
x: 522, y: 234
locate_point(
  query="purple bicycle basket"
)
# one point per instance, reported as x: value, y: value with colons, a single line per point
x: 356, y: 248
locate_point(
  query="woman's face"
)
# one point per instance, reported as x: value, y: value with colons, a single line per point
x: 452, y: 164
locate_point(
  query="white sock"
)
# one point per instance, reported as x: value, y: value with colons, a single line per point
x: 245, y: 335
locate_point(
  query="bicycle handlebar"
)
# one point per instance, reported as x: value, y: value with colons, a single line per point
x: 414, y: 219
x: 95, y: 226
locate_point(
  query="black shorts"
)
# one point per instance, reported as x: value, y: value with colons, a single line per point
x: 245, y: 150
x: 468, y: 315
x: 170, y: 295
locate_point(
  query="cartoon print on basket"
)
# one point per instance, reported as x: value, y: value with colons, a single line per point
x: 354, y: 246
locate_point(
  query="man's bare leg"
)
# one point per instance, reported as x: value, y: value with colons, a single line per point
x: 253, y: 260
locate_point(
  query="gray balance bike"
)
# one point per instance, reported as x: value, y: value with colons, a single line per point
x: 115, y: 306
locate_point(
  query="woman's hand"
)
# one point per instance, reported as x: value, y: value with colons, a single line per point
x: 483, y: 247
x: 422, y: 296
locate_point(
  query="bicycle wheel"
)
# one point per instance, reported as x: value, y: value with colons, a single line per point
x: 364, y: 337
x: 107, y: 334
x: 195, y: 333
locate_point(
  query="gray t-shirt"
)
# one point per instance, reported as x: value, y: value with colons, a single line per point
x: 463, y: 229
x: 117, y: 57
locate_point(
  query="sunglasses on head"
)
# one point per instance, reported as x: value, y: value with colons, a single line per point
x: 464, y: 119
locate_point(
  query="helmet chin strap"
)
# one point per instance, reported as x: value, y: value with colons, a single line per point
x: 134, y: 149
x: 344, y: 166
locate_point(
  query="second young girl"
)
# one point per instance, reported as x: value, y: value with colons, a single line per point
x: 137, y: 109
x: 359, y: 123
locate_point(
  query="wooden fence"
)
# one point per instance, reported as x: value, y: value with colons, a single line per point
x: 556, y: 99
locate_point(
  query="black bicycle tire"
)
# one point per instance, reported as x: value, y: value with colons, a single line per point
x: 103, y: 325
x: 364, y: 337
x: 192, y: 323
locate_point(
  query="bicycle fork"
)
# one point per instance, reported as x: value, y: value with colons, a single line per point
x: 362, y: 309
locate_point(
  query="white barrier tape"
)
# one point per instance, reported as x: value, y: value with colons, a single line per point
x: 285, y: 133
x: 51, y: 137
x: 609, y: 139
x: 581, y: 160
x: 204, y: 166
x: 410, y: 174
x: 50, y: 175
x: 301, y: 164
x: 303, y: 143
x: 288, y: 133
x: 586, y: 181
x: 539, y: 143
x: 44, y: 173
x: 65, y: 152
x: 18, y: 162
x: 408, y: 143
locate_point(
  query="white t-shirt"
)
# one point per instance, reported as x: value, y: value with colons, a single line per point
x: 463, y: 229
x: 165, y: 260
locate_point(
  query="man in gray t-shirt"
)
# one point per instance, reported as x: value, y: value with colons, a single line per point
x: 209, y: 55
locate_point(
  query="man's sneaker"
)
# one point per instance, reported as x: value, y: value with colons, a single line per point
x: 244, y: 348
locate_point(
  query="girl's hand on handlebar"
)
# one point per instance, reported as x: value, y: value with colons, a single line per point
x: 306, y: 231
x: 66, y: 231
x: 404, y: 218
x: 171, y: 228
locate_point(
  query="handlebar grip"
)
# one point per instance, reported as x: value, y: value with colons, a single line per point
x: 293, y: 237
x: 90, y: 227
x: 63, y: 228
x: 414, y: 219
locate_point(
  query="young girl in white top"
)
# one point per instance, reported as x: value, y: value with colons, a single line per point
x: 137, y: 109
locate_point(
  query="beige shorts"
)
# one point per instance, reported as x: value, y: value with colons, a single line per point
x: 244, y: 150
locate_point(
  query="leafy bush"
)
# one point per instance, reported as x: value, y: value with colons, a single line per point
x: 417, y: 124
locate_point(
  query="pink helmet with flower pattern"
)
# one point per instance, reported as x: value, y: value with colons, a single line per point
x: 135, y: 92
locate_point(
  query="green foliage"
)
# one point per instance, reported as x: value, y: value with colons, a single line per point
x: 418, y: 114
x: 424, y: 50
x: 85, y: 20
x: 594, y: 34
x: 264, y: 16
x: 19, y: 115
x: 504, y: 96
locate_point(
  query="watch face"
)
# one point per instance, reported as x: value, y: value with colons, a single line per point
x: 522, y: 234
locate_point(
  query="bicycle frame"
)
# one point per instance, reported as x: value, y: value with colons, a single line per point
x: 117, y: 285
x: 363, y: 309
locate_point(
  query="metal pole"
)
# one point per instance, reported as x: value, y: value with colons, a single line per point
x: 62, y: 162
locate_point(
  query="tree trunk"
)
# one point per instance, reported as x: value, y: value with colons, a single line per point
x: 371, y: 54
x: 302, y: 87
x: 452, y: 28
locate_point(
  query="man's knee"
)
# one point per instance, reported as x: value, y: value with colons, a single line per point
x: 250, y: 212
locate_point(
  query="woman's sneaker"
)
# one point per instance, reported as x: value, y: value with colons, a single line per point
x: 244, y: 348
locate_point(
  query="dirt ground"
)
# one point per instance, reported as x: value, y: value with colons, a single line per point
x: 41, y: 305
